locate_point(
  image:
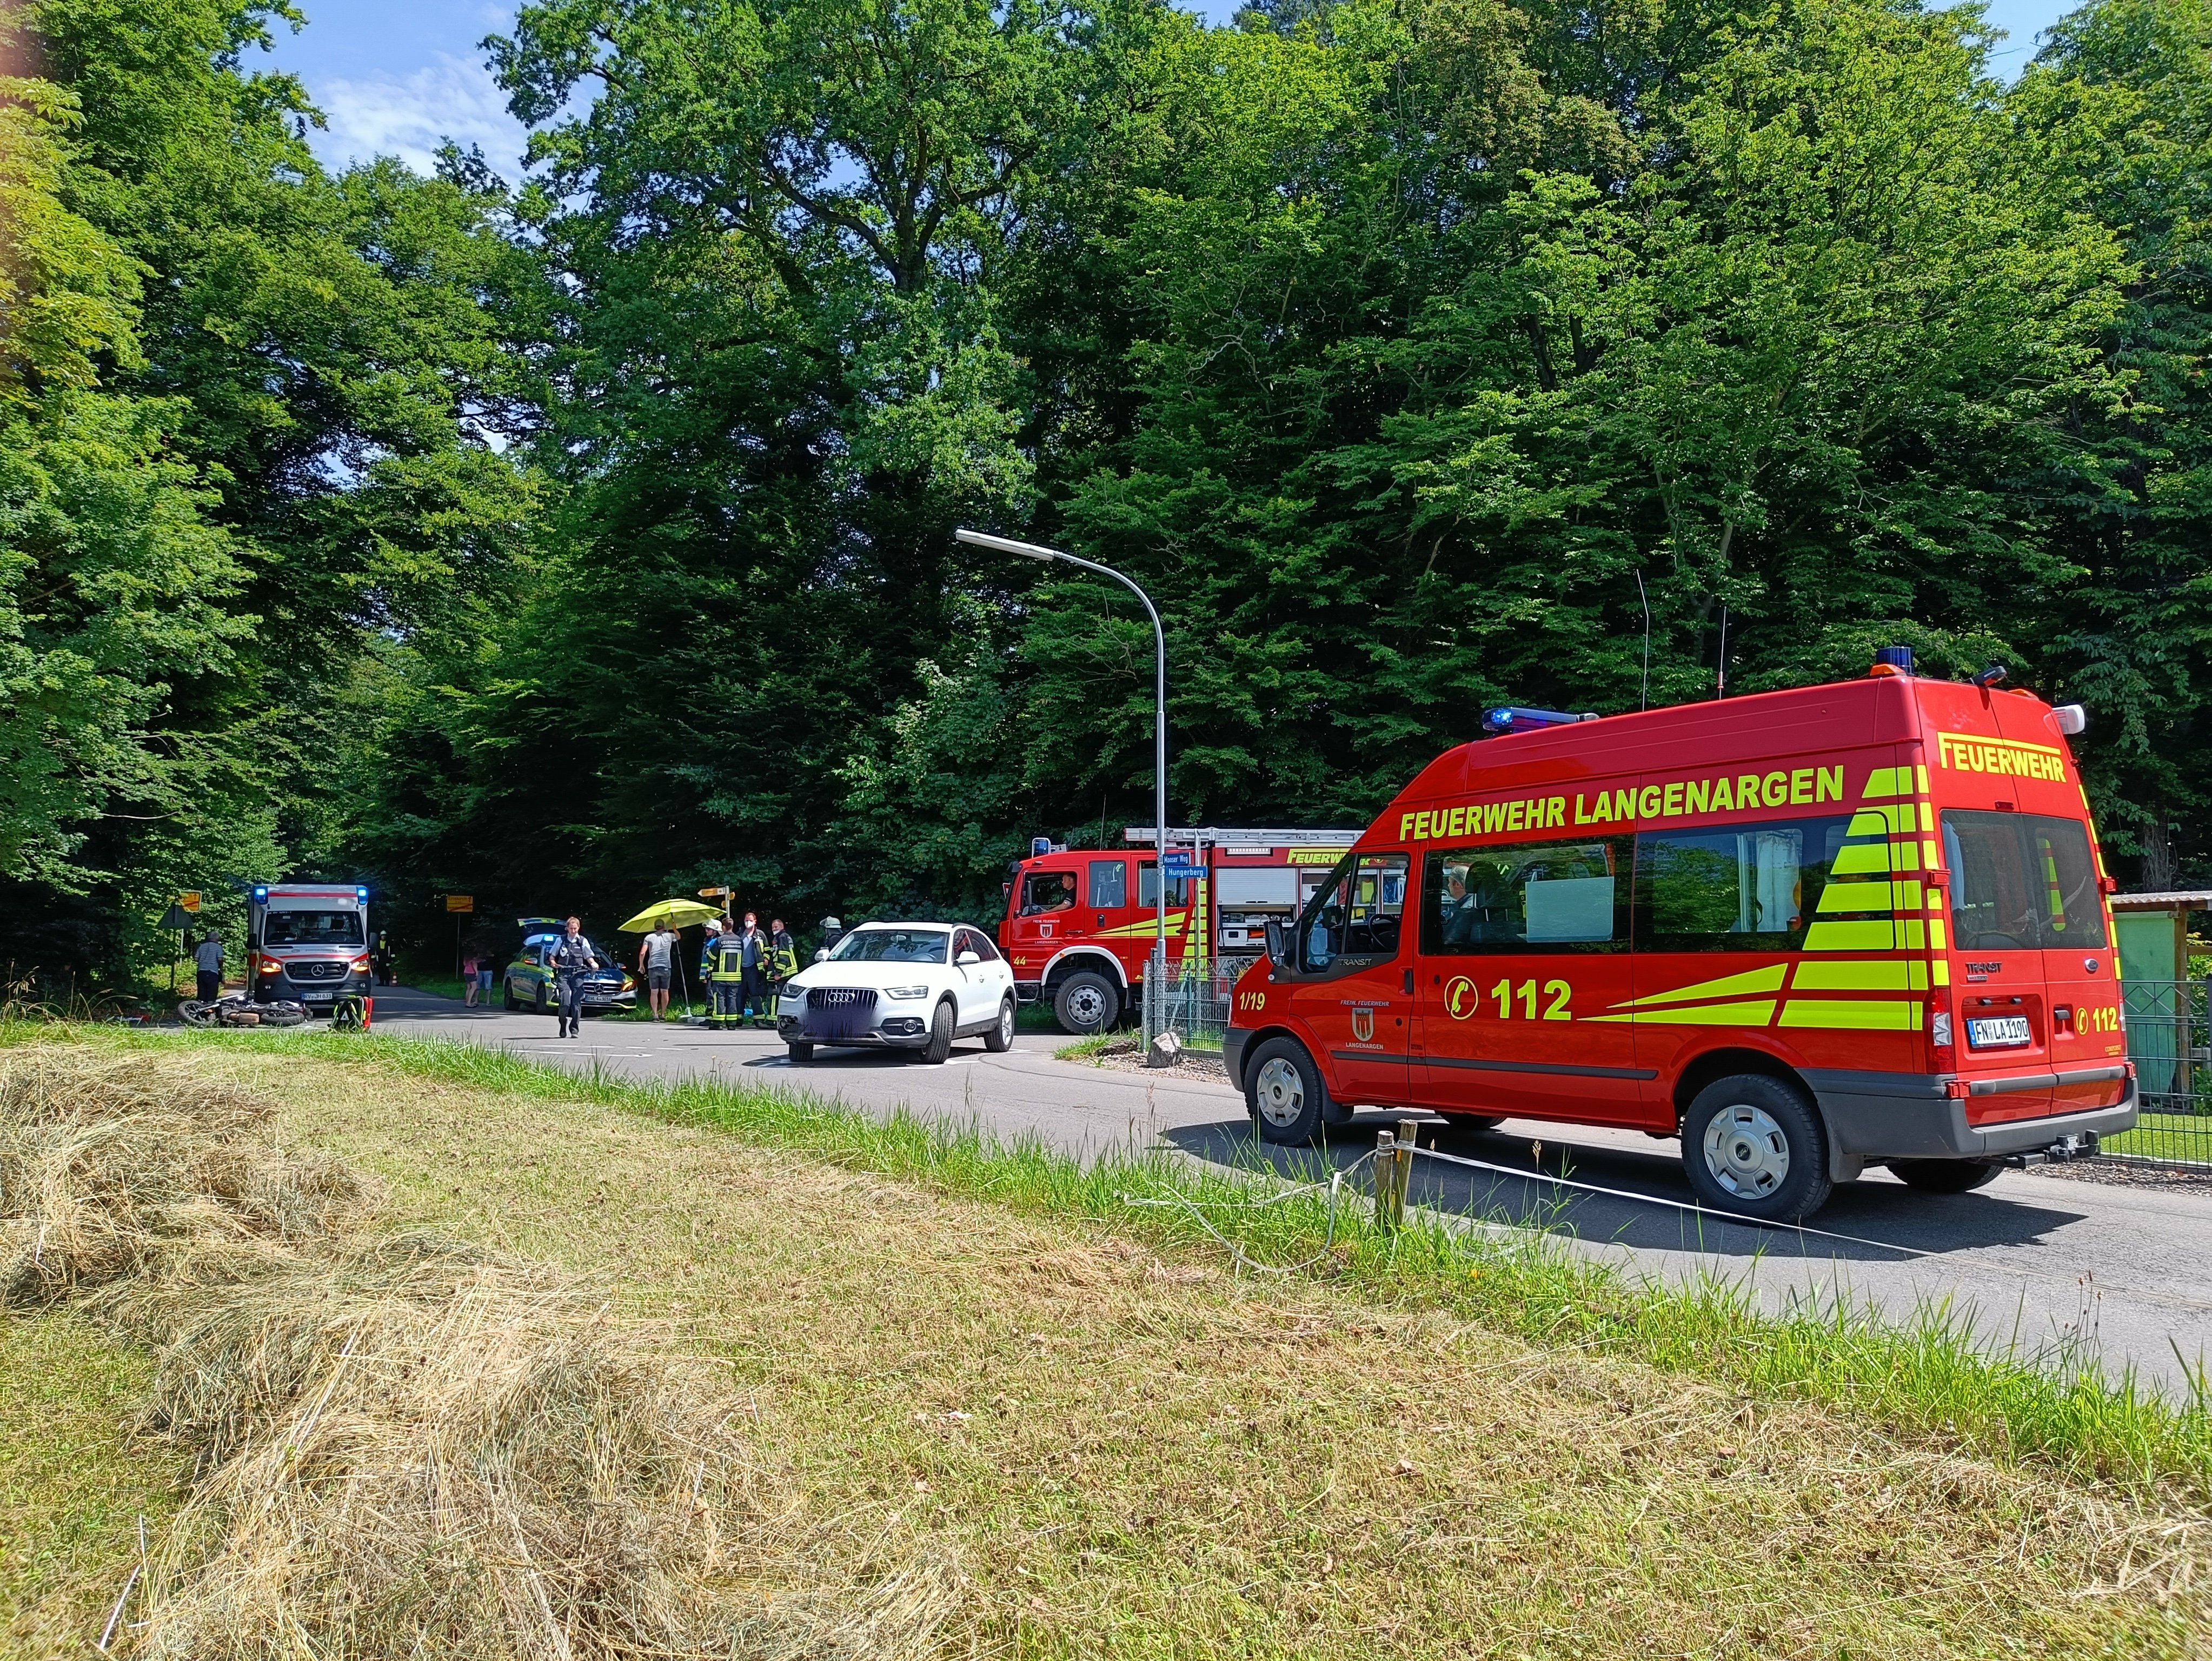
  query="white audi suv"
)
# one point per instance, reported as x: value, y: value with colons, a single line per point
x: 912, y: 986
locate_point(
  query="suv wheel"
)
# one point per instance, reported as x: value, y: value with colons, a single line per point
x: 940, y: 1035
x: 1085, y: 1003
x: 1000, y: 1038
x: 802, y: 1054
x: 1754, y: 1146
x: 1284, y: 1089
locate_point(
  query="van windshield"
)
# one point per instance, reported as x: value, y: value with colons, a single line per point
x: 2021, y: 882
x: 311, y: 929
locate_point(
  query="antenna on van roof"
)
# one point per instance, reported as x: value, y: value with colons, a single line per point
x: 1646, y: 599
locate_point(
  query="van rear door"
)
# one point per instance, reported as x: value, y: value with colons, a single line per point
x: 2002, y: 1035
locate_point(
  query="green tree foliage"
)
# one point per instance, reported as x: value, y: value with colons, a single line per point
x: 572, y: 545
x: 245, y: 431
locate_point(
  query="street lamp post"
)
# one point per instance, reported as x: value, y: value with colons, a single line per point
x: 1037, y: 550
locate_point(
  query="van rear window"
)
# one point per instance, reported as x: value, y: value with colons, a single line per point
x: 2021, y: 882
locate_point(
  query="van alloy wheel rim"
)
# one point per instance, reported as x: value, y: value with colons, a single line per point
x: 1087, y: 1006
x: 1745, y: 1152
x: 1281, y: 1092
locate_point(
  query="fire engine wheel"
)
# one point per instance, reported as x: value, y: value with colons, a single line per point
x: 939, y: 1046
x: 1753, y: 1144
x: 1085, y: 1003
x: 1944, y: 1176
x: 1285, y: 1090
x: 1000, y: 1038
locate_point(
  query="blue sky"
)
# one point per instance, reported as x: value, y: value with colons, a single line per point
x: 395, y: 77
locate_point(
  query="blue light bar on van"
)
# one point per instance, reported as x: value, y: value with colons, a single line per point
x: 261, y: 893
x: 1039, y: 847
x: 1511, y: 718
x: 361, y: 895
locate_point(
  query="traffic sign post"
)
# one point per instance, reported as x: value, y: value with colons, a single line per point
x: 461, y: 905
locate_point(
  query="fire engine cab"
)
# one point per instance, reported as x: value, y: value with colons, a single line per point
x: 1804, y: 931
x: 1081, y: 924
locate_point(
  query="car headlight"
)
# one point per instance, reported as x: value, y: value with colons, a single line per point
x: 906, y: 992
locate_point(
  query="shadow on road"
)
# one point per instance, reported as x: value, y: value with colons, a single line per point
x: 1889, y: 1222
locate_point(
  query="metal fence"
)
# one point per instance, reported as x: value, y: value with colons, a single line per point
x: 2170, y: 1042
x: 1194, y: 1005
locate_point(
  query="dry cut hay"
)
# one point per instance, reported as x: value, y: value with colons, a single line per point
x: 119, y: 1166
x: 406, y: 1445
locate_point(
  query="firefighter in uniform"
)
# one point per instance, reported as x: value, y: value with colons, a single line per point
x: 779, y: 964
x: 832, y: 932
x: 726, y: 980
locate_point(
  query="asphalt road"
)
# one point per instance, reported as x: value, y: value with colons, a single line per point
x: 2117, y: 1273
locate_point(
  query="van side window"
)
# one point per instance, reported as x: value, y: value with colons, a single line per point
x: 1741, y: 888
x: 1358, y: 918
x: 2021, y: 881
x: 1529, y: 897
x: 1109, y: 884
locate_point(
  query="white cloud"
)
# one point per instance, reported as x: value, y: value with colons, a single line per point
x: 411, y: 116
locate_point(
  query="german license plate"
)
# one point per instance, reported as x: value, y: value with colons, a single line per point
x: 1998, y: 1032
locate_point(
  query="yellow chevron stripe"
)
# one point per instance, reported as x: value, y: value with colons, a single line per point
x: 1768, y: 979
x: 1887, y: 782
x: 1862, y: 859
x: 1704, y: 1014
x: 1872, y: 896
x: 1852, y: 1015
x: 1862, y: 975
x: 1134, y: 931
x: 1871, y: 935
x: 1885, y: 820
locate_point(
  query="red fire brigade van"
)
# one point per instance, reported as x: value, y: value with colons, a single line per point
x: 1803, y: 930
x: 1078, y: 929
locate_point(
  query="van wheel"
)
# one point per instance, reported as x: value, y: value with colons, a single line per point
x: 1944, y: 1176
x: 1000, y: 1038
x: 1086, y: 1003
x: 1754, y: 1146
x: 940, y: 1035
x: 1284, y: 1090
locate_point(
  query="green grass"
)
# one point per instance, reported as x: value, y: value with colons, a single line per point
x: 73, y: 1484
x: 1929, y: 1376
x: 2165, y: 1136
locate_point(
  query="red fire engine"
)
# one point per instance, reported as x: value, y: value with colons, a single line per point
x: 1081, y: 924
x: 1805, y: 931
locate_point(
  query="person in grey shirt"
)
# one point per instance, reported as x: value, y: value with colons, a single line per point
x: 656, y: 961
x: 207, y: 958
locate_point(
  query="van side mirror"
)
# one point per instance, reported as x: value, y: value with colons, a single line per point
x: 1276, y: 949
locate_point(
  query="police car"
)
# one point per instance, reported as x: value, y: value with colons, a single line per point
x: 529, y: 979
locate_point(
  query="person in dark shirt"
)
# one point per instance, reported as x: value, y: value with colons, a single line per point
x: 571, y: 959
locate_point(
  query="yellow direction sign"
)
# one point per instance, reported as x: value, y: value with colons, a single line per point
x: 190, y: 902
x: 460, y: 901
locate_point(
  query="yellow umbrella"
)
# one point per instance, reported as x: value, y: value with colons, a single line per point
x: 677, y: 914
